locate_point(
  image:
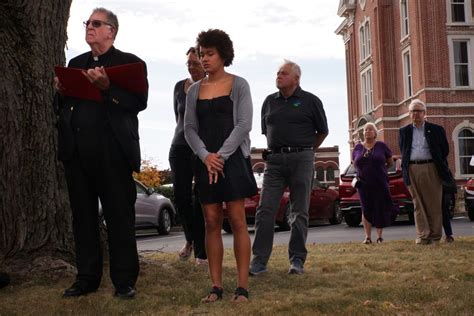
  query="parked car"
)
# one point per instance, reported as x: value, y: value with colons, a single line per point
x: 349, y: 197
x: 152, y: 210
x: 350, y: 202
x: 324, y: 205
x: 469, y: 198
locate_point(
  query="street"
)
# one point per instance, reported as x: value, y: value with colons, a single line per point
x: 320, y: 234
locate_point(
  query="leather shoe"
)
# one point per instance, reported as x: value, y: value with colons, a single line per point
x: 79, y: 288
x: 126, y: 292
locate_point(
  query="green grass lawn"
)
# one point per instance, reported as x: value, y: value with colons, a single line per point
x: 397, y: 277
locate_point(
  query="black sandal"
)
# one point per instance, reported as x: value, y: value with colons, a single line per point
x: 217, y: 291
x: 240, y: 291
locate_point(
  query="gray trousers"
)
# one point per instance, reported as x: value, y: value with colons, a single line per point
x: 295, y: 171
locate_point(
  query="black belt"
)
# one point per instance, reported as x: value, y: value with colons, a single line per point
x: 288, y: 149
x: 420, y: 162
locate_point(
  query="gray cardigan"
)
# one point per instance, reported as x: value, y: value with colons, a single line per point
x: 243, y: 111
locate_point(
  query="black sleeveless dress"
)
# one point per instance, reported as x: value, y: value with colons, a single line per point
x: 215, y: 117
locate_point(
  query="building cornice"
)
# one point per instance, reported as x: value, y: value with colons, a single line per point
x: 346, y: 7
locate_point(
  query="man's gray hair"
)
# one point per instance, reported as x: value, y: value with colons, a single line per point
x: 415, y: 102
x: 294, y: 67
x: 111, y: 18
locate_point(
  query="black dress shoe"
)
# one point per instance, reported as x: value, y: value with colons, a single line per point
x: 126, y: 292
x: 79, y: 288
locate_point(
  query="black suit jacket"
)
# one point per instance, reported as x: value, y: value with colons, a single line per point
x: 439, y: 149
x: 122, y: 108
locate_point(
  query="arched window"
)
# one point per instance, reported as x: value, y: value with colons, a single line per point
x: 330, y: 174
x: 320, y: 174
x: 466, y: 150
x: 259, y: 167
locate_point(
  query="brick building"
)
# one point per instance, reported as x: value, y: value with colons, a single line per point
x: 326, y: 164
x: 398, y: 50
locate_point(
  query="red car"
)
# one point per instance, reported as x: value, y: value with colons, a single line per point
x: 324, y: 204
x: 349, y: 197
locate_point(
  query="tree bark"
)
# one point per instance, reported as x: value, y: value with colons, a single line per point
x: 35, y: 219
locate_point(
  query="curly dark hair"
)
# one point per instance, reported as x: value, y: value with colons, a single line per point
x: 220, y: 40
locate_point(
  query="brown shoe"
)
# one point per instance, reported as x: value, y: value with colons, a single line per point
x: 449, y: 239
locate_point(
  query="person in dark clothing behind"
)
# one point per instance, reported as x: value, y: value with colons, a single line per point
x: 181, y: 159
x: 295, y: 125
x: 449, y: 195
x: 98, y: 144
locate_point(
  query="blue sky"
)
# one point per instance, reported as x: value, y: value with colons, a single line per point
x: 264, y: 32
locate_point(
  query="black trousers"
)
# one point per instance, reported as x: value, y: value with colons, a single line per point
x: 99, y: 170
x: 181, y: 160
x: 448, y: 230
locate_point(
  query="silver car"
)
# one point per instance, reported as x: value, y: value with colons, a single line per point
x: 152, y: 210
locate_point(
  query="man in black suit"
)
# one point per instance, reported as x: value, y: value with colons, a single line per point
x: 424, y: 149
x: 99, y: 147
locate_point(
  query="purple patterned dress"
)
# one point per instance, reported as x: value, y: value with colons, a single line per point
x: 374, y: 192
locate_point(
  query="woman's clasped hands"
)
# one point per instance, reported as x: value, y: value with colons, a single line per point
x: 215, y: 167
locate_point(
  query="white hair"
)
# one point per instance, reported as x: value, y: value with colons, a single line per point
x: 373, y: 126
x: 295, y: 68
x: 415, y: 102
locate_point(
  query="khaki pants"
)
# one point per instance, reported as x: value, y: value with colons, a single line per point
x: 427, y: 190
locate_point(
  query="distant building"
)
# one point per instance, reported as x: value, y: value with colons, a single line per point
x: 398, y: 50
x: 326, y: 164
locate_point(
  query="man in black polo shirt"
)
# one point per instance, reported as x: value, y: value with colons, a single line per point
x: 295, y: 125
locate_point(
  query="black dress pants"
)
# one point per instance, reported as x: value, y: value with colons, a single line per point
x: 181, y: 160
x: 99, y: 170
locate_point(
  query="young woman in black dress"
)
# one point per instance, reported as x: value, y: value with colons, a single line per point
x: 217, y: 123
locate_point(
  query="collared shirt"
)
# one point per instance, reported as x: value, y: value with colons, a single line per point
x: 420, y: 149
x: 293, y: 121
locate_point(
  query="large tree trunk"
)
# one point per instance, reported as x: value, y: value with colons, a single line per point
x: 35, y: 219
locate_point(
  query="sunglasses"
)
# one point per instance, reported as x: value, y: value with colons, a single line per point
x: 96, y: 23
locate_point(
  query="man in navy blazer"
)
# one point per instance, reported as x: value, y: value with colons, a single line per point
x: 424, y: 149
x: 98, y: 144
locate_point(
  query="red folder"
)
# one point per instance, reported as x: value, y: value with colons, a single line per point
x: 75, y: 84
x: 130, y: 77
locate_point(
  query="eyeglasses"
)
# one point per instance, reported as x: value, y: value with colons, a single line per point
x: 96, y: 23
x: 193, y: 64
x: 417, y: 111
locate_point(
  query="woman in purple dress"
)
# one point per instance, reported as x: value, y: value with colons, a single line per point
x: 371, y: 160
